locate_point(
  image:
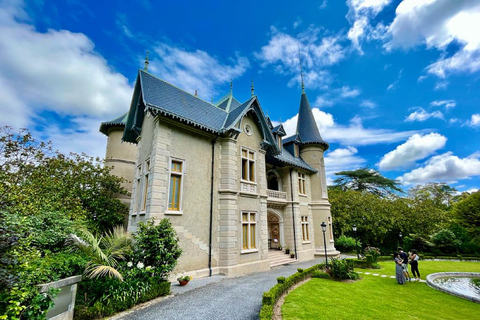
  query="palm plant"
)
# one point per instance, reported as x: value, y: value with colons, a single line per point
x: 104, y: 251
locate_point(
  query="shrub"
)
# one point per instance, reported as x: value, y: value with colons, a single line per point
x: 157, y: 246
x: 341, y: 269
x: 374, y: 253
x: 347, y: 244
x: 101, y: 297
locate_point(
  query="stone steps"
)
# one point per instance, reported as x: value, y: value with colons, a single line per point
x: 278, y: 258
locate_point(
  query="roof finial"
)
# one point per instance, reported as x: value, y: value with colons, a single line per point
x: 252, y: 89
x: 146, y: 62
x: 231, y: 85
x: 301, y: 69
x: 212, y: 99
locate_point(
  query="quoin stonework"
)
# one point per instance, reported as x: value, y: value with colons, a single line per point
x: 233, y: 185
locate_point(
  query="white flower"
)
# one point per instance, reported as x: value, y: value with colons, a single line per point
x: 130, y: 264
x: 140, y: 265
x: 148, y: 268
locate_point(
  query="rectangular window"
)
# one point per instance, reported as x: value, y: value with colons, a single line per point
x: 248, y: 165
x: 330, y: 228
x: 249, y: 225
x: 301, y: 183
x: 295, y: 150
x: 279, y: 142
x: 138, y: 189
x: 177, y: 168
x: 146, y: 173
x: 305, y: 235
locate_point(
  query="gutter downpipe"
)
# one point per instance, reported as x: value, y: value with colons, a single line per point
x: 211, y: 209
x: 293, y: 215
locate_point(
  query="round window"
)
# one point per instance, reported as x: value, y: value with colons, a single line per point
x: 248, y: 130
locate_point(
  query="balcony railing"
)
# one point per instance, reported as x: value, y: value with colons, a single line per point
x: 277, y: 196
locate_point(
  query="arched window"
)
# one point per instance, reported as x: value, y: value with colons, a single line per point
x: 272, y: 181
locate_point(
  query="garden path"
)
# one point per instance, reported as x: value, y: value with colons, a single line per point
x: 217, y: 297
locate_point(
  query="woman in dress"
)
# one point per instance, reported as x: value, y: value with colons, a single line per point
x: 398, y: 268
x: 414, y: 264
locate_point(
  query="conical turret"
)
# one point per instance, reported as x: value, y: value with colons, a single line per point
x: 306, y: 125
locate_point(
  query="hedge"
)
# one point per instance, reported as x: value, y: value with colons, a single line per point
x: 270, y: 297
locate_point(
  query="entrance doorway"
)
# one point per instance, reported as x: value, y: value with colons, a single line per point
x: 275, y: 231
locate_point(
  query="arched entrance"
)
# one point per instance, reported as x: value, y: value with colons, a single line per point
x: 275, y: 230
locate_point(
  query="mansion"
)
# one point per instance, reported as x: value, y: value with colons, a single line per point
x: 232, y: 184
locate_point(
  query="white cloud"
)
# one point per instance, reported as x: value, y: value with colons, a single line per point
x: 56, y: 72
x: 422, y: 115
x: 317, y: 53
x: 368, y: 104
x: 472, y: 190
x: 447, y: 103
x: 342, y: 159
x: 194, y: 70
x: 323, y: 102
x: 352, y: 135
x: 360, y: 13
x: 417, y: 147
x: 437, y: 24
x: 445, y: 168
x: 475, y: 120
x: 297, y: 23
x: 441, y: 85
x: 347, y: 92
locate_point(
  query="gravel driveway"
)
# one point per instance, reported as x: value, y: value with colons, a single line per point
x: 217, y: 297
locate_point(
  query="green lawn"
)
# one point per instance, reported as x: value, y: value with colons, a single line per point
x: 374, y: 297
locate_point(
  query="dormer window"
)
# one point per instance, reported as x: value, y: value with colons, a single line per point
x: 296, y: 150
x: 279, y: 142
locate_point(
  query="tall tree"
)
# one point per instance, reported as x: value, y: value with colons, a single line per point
x: 368, y: 180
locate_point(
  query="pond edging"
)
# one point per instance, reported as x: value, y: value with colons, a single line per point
x: 432, y: 284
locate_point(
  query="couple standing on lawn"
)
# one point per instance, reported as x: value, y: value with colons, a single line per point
x: 401, y: 265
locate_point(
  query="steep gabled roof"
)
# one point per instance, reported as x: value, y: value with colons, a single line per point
x: 279, y: 130
x: 306, y: 125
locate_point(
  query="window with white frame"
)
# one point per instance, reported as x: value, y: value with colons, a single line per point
x: 305, y: 234
x: 249, y: 226
x: 302, y: 183
x: 146, y: 173
x: 177, y: 172
x: 248, y: 165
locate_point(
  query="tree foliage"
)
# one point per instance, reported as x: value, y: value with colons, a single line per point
x: 368, y: 180
x: 36, y: 179
x: 467, y: 211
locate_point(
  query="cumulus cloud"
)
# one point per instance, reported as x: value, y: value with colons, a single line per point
x: 316, y: 52
x: 55, y: 72
x: 195, y: 70
x: 360, y: 14
x: 438, y: 24
x: 446, y: 103
x: 417, y: 147
x: 343, y: 159
x: 422, y: 115
x: 444, y: 168
x: 353, y: 134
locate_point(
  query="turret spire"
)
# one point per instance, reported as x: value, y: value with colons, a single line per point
x: 252, y: 89
x: 145, y: 68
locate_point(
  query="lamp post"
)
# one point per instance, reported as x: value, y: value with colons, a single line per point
x: 354, y: 228
x: 324, y: 228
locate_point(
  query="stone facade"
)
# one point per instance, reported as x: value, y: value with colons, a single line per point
x: 235, y: 199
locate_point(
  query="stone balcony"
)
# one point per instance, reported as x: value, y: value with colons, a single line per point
x: 276, y: 199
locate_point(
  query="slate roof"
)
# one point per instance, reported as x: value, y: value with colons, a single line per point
x: 154, y: 95
x: 286, y: 158
x: 117, y: 122
x: 170, y: 100
x: 306, y: 125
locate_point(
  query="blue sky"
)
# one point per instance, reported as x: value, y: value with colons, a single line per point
x: 395, y: 85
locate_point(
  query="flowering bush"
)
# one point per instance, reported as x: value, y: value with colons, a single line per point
x: 184, y: 278
x: 374, y: 252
